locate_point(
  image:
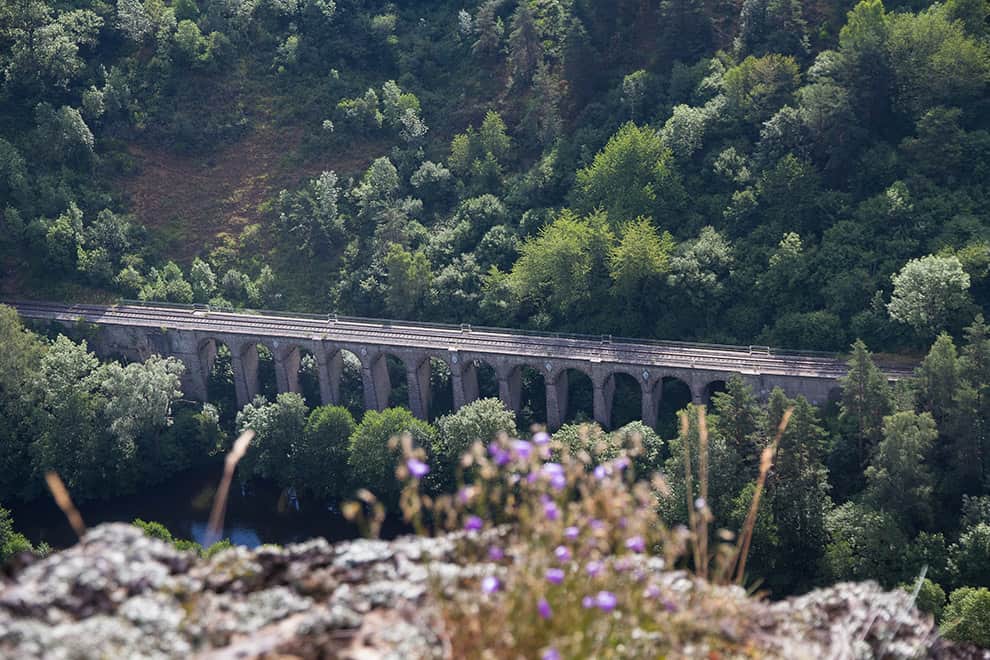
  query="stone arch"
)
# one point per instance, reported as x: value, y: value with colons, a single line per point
x: 267, y: 379
x: 397, y: 375
x: 308, y: 377
x: 216, y: 361
x: 440, y: 400
x: 675, y: 395
x: 486, y: 377
x: 711, y: 388
x: 345, y: 381
x: 523, y: 389
x: 622, y: 398
x: 577, y: 402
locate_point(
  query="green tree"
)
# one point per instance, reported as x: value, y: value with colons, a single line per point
x: 71, y: 441
x: 865, y: 401
x: 525, y: 49
x: 321, y: 452
x: 139, y: 400
x: 564, y: 269
x: 628, y: 176
x: 864, y: 64
x: 638, y: 264
x: 935, y: 62
x: 969, y: 558
x: 771, y: 26
x: 967, y: 616
x: 11, y: 542
x: 929, y: 293
x: 938, y: 379
x: 759, y: 86
x: 685, y: 30
x: 799, y: 500
x: 374, y: 451
x: 864, y: 544
x: 648, y: 458
x: 899, y: 480
x: 931, y: 598
x: 479, y: 421
x: 18, y: 402
x: 409, y: 279
x: 278, y: 428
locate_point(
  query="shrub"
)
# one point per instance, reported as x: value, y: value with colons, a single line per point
x: 967, y: 616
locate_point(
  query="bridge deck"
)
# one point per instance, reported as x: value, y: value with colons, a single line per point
x: 440, y: 338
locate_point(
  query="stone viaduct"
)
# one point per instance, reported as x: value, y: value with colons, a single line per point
x: 193, y: 334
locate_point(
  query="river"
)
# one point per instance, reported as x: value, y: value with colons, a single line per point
x: 260, y: 515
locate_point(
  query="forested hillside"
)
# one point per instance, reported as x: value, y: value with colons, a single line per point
x: 810, y: 175
x: 775, y: 172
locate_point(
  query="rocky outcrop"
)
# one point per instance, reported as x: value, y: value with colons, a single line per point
x: 120, y: 594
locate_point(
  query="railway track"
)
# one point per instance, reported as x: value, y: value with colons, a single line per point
x: 280, y: 325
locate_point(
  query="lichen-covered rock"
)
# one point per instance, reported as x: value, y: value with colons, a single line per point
x: 120, y: 594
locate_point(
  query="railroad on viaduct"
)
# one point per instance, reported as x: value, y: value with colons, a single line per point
x: 193, y: 333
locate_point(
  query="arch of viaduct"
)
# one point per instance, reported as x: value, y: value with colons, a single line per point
x: 194, y: 335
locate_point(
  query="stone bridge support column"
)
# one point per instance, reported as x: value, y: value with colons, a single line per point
x: 418, y: 379
x: 375, y: 381
x: 244, y: 363
x: 510, y: 388
x: 604, y: 385
x: 287, y: 369
x: 698, y: 392
x: 196, y: 379
x: 556, y: 400
x: 329, y: 367
x: 652, y: 395
x: 463, y: 380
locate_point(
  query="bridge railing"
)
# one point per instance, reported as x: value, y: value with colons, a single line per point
x: 604, y: 340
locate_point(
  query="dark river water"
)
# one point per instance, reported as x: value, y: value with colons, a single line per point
x: 182, y: 504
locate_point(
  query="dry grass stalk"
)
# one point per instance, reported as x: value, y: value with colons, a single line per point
x: 689, y: 489
x: 766, y: 462
x: 703, y: 479
x: 215, y: 527
x: 64, y: 501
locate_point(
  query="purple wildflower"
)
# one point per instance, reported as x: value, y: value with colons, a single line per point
x: 522, y: 449
x: 558, y: 482
x: 636, y: 544
x: 551, y: 469
x: 596, y: 524
x: 699, y: 503
x: 473, y: 523
x: 605, y: 601
x: 501, y: 457
x: 571, y: 533
x: 652, y: 591
x: 550, y: 654
x: 594, y: 568
x: 417, y: 468
x: 465, y: 494
x: 587, y: 602
x: 541, y: 438
x: 555, y: 575
x: 562, y: 553
x: 600, y: 472
x: 490, y: 584
x: 550, y: 510
x: 496, y: 553
x: 670, y: 605
x: 622, y: 463
x: 543, y: 607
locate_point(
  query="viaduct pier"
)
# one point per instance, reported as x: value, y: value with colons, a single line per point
x: 193, y: 333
